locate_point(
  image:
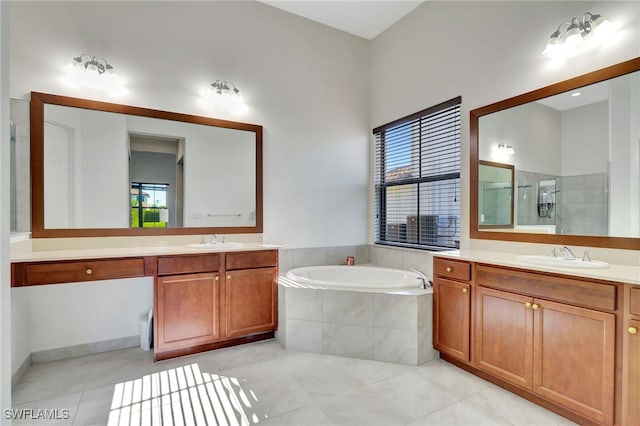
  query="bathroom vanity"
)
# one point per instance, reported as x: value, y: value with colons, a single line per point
x: 560, y: 339
x: 203, y: 299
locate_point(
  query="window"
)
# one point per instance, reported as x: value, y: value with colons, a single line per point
x: 417, y: 179
x: 149, y: 205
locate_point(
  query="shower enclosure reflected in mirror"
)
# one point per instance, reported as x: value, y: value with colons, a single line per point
x: 495, y: 195
x: 575, y: 147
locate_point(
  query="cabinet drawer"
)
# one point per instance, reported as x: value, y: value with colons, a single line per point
x: 78, y: 271
x: 452, y: 269
x: 634, y: 301
x: 253, y: 259
x: 570, y: 290
x: 169, y: 265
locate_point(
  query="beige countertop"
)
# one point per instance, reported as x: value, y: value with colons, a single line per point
x: 620, y: 273
x: 114, y: 252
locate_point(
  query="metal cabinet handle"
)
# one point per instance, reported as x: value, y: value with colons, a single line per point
x: 535, y: 306
x: 464, y: 290
x: 632, y: 330
x: 89, y: 271
x: 228, y: 276
x: 449, y: 269
x: 217, y: 278
x: 527, y: 305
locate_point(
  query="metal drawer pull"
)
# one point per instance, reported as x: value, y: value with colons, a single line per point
x: 449, y: 269
x: 89, y: 271
x: 527, y: 305
x: 217, y: 278
x: 228, y: 276
x: 632, y: 330
x: 535, y: 306
x: 464, y: 290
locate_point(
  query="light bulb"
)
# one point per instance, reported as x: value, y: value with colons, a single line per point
x: 574, y: 35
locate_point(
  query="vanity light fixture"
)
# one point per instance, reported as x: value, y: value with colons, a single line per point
x: 505, y: 149
x: 578, y: 30
x: 502, y: 152
x: 93, y: 72
x: 224, y: 95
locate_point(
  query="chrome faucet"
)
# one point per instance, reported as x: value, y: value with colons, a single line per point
x: 214, y: 239
x: 426, y: 280
x: 568, y: 254
x: 586, y: 257
x: 553, y: 253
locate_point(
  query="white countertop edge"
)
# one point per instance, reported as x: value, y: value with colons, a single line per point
x: 99, y: 253
x: 619, y: 273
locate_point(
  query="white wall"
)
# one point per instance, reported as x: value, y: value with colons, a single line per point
x: 97, y: 194
x: 73, y: 314
x: 306, y: 83
x: 585, y: 139
x: 480, y: 50
x: 534, y: 132
x: 5, y: 289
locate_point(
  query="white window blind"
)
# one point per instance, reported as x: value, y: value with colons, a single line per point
x: 417, y: 179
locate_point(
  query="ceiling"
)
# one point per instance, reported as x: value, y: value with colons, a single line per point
x: 597, y: 92
x: 364, y: 18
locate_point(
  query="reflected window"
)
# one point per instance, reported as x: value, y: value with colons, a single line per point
x: 149, y: 205
x: 417, y: 179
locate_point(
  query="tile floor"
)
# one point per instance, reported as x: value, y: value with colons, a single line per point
x: 263, y: 383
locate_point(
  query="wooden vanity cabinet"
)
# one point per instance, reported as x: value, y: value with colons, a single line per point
x: 561, y: 352
x: 631, y: 385
x: 452, y: 308
x: 207, y: 301
x: 187, y: 303
x: 547, y: 337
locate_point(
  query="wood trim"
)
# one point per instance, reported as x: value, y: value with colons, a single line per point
x: 37, y: 168
x: 70, y: 271
x: 575, y: 291
x: 622, y: 68
x: 500, y: 354
x: 185, y: 264
x: 251, y: 259
x: 555, y: 352
x: 159, y: 356
x: 452, y: 317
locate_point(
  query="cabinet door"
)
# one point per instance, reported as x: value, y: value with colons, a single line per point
x: 574, y: 358
x: 503, y: 343
x: 251, y: 301
x: 632, y: 413
x: 187, y: 310
x: 451, y: 314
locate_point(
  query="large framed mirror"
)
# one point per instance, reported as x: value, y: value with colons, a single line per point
x: 102, y: 169
x: 575, y: 151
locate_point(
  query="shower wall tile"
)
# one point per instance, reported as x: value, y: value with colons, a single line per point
x: 296, y: 258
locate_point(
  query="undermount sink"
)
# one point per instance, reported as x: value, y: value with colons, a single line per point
x: 228, y: 245
x: 561, y: 262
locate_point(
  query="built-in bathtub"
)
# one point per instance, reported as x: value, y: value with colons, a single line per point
x: 365, y: 312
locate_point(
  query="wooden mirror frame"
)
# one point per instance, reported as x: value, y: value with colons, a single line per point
x: 38, y: 100
x: 513, y: 179
x: 607, y: 73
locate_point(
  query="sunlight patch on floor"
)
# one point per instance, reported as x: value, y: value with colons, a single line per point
x: 183, y: 396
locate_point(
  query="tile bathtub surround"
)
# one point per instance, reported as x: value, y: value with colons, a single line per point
x: 375, y: 326
x: 317, y: 256
x: 265, y: 384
